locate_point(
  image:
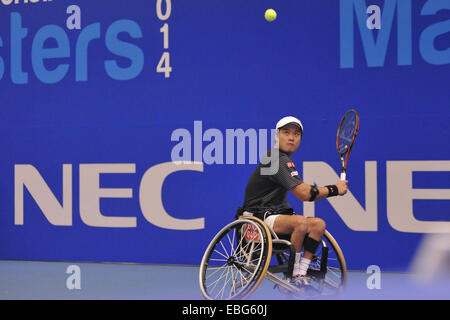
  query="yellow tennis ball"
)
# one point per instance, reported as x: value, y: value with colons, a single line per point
x: 346, y: 146
x: 270, y: 15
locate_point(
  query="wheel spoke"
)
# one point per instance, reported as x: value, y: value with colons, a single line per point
x: 241, y: 274
x: 223, y: 255
x: 225, y: 250
x: 221, y: 291
x: 233, y: 250
x: 331, y: 283
x: 216, y: 269
x: 217, y: 281
x: 233, y: 283
x: 334, y: 272
x: 218, y: 259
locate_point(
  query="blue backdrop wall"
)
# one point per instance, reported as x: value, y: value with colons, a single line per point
x: 99, y: 98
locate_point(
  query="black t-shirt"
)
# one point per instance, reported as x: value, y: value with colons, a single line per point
x: 269, y: 191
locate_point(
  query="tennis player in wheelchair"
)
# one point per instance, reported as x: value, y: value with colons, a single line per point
x: 266, y: 194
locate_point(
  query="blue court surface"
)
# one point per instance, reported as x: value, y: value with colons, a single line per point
x: 113, y: 281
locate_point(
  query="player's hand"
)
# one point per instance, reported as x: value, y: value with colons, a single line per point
x: 342, y: 187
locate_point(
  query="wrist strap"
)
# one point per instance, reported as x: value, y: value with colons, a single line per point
x: 332, y: 191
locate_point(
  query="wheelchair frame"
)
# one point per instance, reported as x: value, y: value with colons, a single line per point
x: 250, y: 259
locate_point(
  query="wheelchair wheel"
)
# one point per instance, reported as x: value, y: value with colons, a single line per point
x: 236, y: 260
x: 328, y: 266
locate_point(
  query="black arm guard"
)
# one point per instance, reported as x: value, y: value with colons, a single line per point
x: 314, y: 192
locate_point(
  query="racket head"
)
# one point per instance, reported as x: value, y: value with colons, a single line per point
x: 347, y: 131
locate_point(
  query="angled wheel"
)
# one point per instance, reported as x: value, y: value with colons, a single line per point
x: 236, y: 260
x: 328, y: 266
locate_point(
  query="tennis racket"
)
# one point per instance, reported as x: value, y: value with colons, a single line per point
x: 345, y: 139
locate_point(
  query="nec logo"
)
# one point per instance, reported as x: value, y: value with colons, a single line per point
x: 27, y: 176
x: 400, y: 195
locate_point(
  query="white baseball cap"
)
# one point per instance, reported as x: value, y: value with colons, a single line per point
x: 289, y: 120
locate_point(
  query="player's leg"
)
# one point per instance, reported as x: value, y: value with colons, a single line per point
x: 293, y: 225
x: 297, y: 227
x: 305, y: 232
x: 315, y: 230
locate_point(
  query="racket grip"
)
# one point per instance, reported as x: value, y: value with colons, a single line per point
x: 343, y: 175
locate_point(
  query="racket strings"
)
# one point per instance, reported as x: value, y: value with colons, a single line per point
x: 347, y: 132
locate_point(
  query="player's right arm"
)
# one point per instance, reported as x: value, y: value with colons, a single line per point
x: 304, y: 192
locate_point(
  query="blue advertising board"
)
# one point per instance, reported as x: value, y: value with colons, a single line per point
x: 129, y: 128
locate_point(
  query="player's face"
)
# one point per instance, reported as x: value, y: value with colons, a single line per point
x: 289, y: 138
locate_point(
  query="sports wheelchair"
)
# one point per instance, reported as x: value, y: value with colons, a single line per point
x: 245, y: 251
